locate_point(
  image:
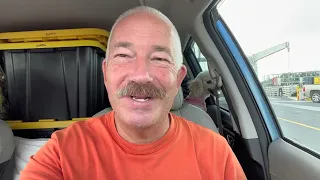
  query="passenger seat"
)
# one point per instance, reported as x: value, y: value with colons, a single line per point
x: 185, y: 110
x: 15, y: 152
x: 7, y: 145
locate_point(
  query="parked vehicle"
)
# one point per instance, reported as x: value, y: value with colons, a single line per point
x: 312, y: 91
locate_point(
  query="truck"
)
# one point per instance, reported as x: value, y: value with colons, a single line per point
x: 311, y: 88
x: 312, y: 91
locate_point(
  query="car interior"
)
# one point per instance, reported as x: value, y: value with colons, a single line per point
x: 51, y: 84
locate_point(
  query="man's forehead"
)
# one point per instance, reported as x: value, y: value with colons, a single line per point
x: 141, y: 28
x: 155, y: 47
x: 142, y: 22
x: 142, y: 17
x: 127, y: 37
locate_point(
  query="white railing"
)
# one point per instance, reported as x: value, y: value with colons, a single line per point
x: 285, y: 91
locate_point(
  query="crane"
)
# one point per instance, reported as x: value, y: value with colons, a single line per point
x: 253, y: 59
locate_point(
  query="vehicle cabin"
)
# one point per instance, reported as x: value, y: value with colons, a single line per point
x: 51, y: 76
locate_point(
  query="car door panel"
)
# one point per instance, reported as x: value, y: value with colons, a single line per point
x: 288, y: 162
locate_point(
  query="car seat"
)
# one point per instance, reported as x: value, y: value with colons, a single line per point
x: 7, y: 146
x: 185, y: 110
x: 15, y: 152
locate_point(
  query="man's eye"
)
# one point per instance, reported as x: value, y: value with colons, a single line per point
x: 159, y: 59
x: 121, y: 55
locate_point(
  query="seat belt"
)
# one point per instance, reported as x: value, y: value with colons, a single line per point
x: 219, y: 121
x: 215, y: 93
x: 216, y: 97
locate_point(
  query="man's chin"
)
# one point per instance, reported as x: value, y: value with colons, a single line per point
x: 140, y: 119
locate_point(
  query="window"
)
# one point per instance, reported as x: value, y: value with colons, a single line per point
x: 204, y: 67
x: 280, y: 41
x: 201, y: 59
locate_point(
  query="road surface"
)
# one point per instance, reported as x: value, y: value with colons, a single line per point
x: 299, y: 121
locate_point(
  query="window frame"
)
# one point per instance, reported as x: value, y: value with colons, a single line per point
x: 197, y: 63
x: 230, y: 52
x: 210, y: 16
x: 189, y: 52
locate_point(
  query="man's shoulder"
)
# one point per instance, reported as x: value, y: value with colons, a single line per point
x: 81, y: 128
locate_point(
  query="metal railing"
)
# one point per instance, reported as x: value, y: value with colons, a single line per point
x: 282, y: 91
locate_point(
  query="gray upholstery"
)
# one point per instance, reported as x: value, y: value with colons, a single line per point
x: 15, y: 152
x: 6, y: 142
x: 24, y: 149
x: 197, y: 115
x: 7, y: 146
x: 185, y: 110
x: 178, y: 101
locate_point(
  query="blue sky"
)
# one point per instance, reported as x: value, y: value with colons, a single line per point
x: 260, y: 24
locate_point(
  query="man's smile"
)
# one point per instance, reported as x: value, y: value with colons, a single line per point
x: 140, y: 99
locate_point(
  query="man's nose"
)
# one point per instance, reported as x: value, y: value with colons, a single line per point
x: 141, y: 72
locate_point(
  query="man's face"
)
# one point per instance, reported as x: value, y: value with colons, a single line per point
x: 140, y: 72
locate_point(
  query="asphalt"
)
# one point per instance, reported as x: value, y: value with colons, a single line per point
x: 298, y: 120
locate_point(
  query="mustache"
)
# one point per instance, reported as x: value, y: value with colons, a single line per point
x: 141, y: 89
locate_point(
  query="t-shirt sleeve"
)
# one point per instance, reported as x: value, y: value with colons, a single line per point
x: 45, y: 164
x: 233, y: 169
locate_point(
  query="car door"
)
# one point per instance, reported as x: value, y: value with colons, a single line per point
x: 287, y: 144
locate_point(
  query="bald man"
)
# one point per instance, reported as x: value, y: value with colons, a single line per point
x: 139, y: 139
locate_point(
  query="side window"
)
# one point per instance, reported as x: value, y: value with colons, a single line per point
x: 201, y: 59
x: 282, y: 49
x: 204, y: 67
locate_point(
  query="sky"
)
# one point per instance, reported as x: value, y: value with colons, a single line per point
x: 261, y: 24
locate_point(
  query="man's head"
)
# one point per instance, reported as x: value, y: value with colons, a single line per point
x: 143, y: 67
x: 151, y: 11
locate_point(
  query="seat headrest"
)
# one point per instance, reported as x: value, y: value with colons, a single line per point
x: 7, y: 143
x: 178, y: 100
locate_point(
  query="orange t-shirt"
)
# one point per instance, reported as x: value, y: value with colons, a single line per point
x: 93, y: 149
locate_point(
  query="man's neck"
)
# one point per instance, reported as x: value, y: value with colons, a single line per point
x: 143, y: 135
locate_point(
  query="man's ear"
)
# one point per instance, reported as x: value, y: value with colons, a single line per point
x: 104, y: 70
x: 181, y: 75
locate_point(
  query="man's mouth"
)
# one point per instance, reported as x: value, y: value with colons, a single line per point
x: 140, y: 99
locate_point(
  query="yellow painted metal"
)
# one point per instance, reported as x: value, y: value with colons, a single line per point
x: 13, y: 121
x: 298, y: 93
x: 316, y: 80
x: 96, y: 34
x: 51, y: 44
x: 42, y: 124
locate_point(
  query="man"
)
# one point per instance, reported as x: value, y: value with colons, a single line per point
x: 139, y: 139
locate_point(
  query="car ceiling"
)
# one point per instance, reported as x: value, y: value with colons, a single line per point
x: 22, y: 15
